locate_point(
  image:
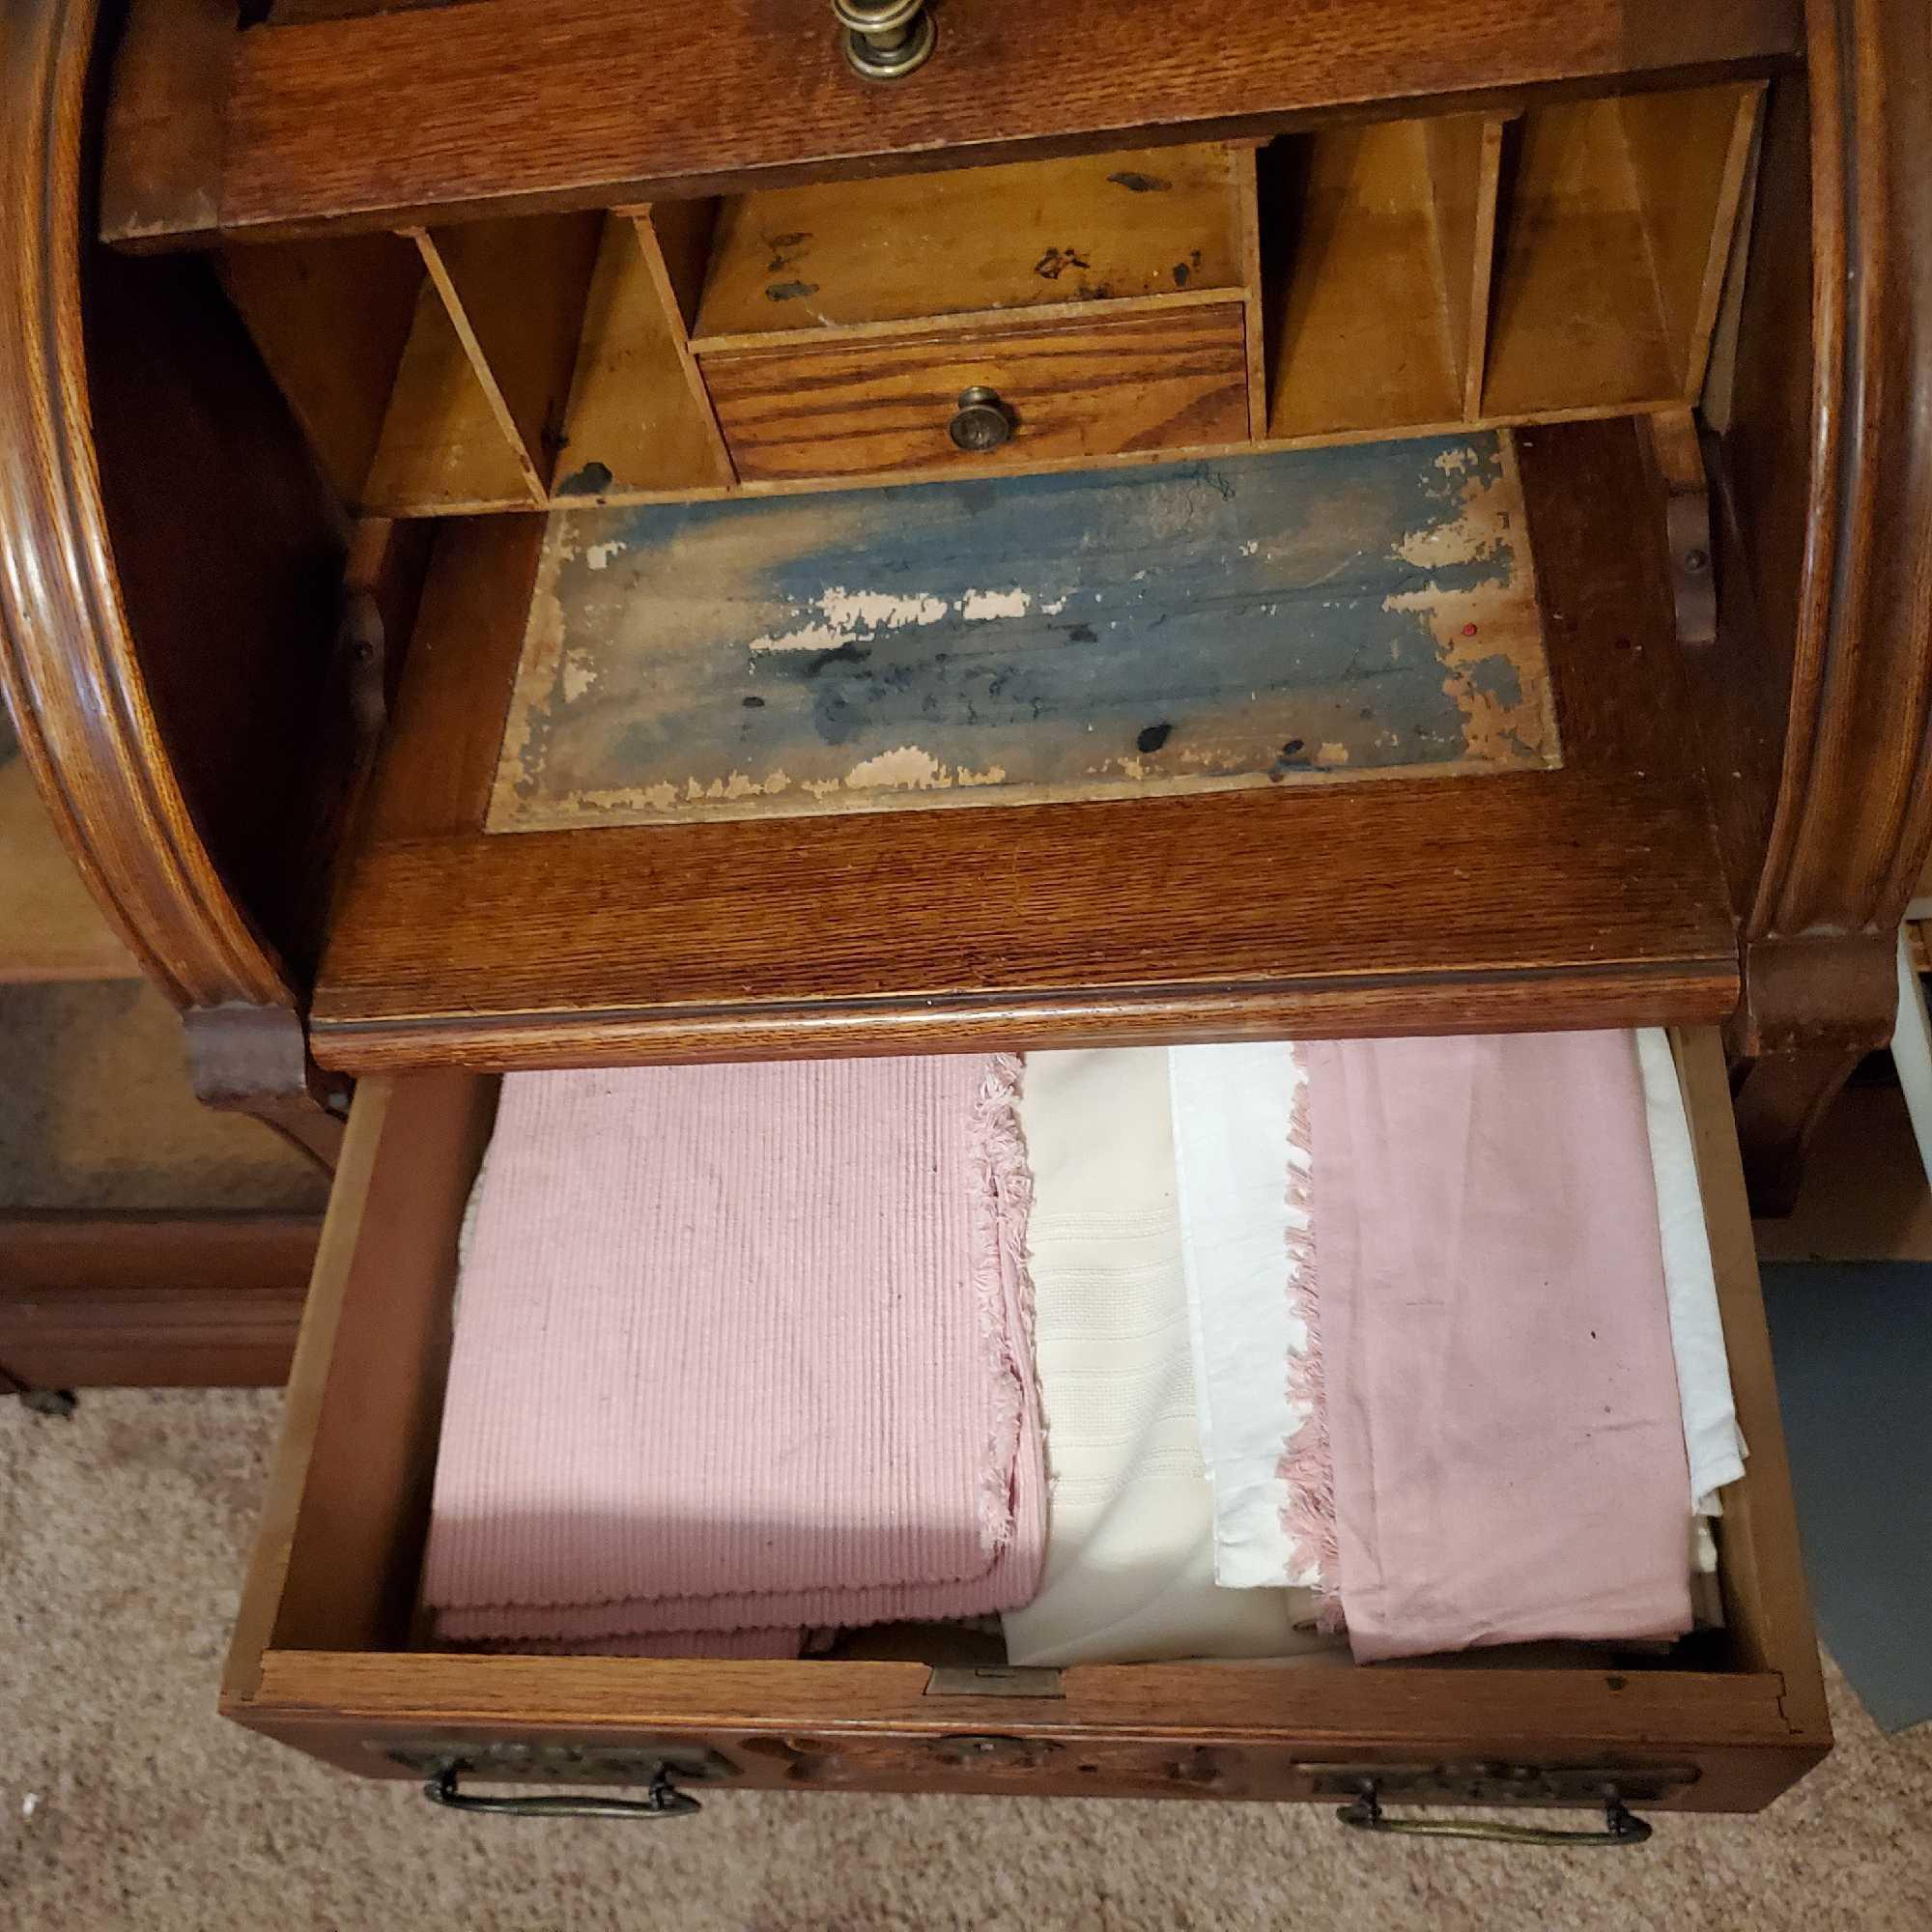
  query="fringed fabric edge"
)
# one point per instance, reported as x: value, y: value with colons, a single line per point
x: 1307, y: 1465
x: 1002, y: 1286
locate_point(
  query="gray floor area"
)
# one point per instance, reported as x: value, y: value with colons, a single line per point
x: 1853, y: 1345
x: 125, y: 1801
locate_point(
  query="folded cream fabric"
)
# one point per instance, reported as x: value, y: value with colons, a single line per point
x: 1501, y: 1398
x: 1234, y: 1115
x: 1712, y: 1438
x: 741, y: 1349
x: 1131, y: 1551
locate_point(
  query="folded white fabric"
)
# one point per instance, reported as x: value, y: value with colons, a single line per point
x: 1712, y: 1440
x: 1233, y: 1107
x: 1130, y: 1527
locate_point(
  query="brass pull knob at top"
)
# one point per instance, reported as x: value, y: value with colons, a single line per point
x: 980, y: 422
x: 885, y: 40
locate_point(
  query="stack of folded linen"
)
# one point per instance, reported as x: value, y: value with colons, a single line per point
x: 1418, y: 1338
x: 1499, y: 1394
x: 740, y: 1352
x: 1131, y: 1551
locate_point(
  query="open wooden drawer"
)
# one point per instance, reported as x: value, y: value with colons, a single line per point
x: 327, y: 1658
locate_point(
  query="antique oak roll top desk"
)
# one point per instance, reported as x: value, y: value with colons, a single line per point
x: 565, y: 532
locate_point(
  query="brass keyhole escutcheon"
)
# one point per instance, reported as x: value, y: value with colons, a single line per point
x: 982, y: 422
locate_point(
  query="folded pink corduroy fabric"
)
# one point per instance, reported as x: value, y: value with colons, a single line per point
x: 1498, y: 1386
x: 741, y: 1349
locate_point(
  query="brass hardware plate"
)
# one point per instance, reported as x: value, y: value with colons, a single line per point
x: 993, y: 1753
x: 1009, y: 1681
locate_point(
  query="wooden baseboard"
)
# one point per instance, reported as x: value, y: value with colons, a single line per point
x: 152, y: 1301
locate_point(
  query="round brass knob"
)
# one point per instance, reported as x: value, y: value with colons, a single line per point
x: 885, y: 40
x: 980, y: 422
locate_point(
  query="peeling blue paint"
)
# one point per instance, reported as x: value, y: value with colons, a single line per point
x: 1190, y: 619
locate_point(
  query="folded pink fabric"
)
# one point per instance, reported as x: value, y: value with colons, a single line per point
x: 1499, y: 1389
x: 741, y: 1349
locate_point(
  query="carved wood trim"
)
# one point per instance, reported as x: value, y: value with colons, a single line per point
x: 66, y: 658
x: 1853, y: 820
x: 153, y: 1300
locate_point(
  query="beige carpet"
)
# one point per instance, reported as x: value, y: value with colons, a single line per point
x: 125, y: 1801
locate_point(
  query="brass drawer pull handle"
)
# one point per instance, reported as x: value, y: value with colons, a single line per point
x: 885, y: 40
x: 1621, y: 1826
x: 982, y: 422
x: 661, y: 1799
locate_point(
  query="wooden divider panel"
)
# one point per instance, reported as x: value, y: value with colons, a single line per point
x: 638, y: 418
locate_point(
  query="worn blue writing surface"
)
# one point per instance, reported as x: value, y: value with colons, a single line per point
x: 1353, y: 610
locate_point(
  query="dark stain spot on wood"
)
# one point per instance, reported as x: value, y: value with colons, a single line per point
x: 1617, y: 1683
x: 753, y: 703
x: 1180, y: 274
x: 1139, y: 183
x: 786, y: 250
x: 591, y: 481
x: 1153, y: 737
x: 1081, y: 634
x: 847, y: 653
x: 1292, y: 758
x: 1056, y: 261
x: 784, y: 292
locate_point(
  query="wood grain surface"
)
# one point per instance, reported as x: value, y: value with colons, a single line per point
x: 1854, y: 815
x: 516, y: 292
x: 1522, y: 899
x: 1688, y: 154
x: 1158, y: 379
x: 595, y: 102
x: 331, y: 319
x: 1365, y: 331
x: 638, y: 418
x: 1818, y: 715
x: 446, y: 444
x: 167, y: 131
x: 348, y: 1499
x: 1090, y: 227
x: 1577, y: 297
x: 134, y: 448
x: 1767, y: 1604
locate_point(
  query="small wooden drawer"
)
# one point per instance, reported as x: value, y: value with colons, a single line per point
x: 327, y: 1657
x: 1173, y: 377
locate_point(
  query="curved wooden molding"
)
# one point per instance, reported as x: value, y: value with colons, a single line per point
x: 1853, y: 819
x: 67, y: 655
